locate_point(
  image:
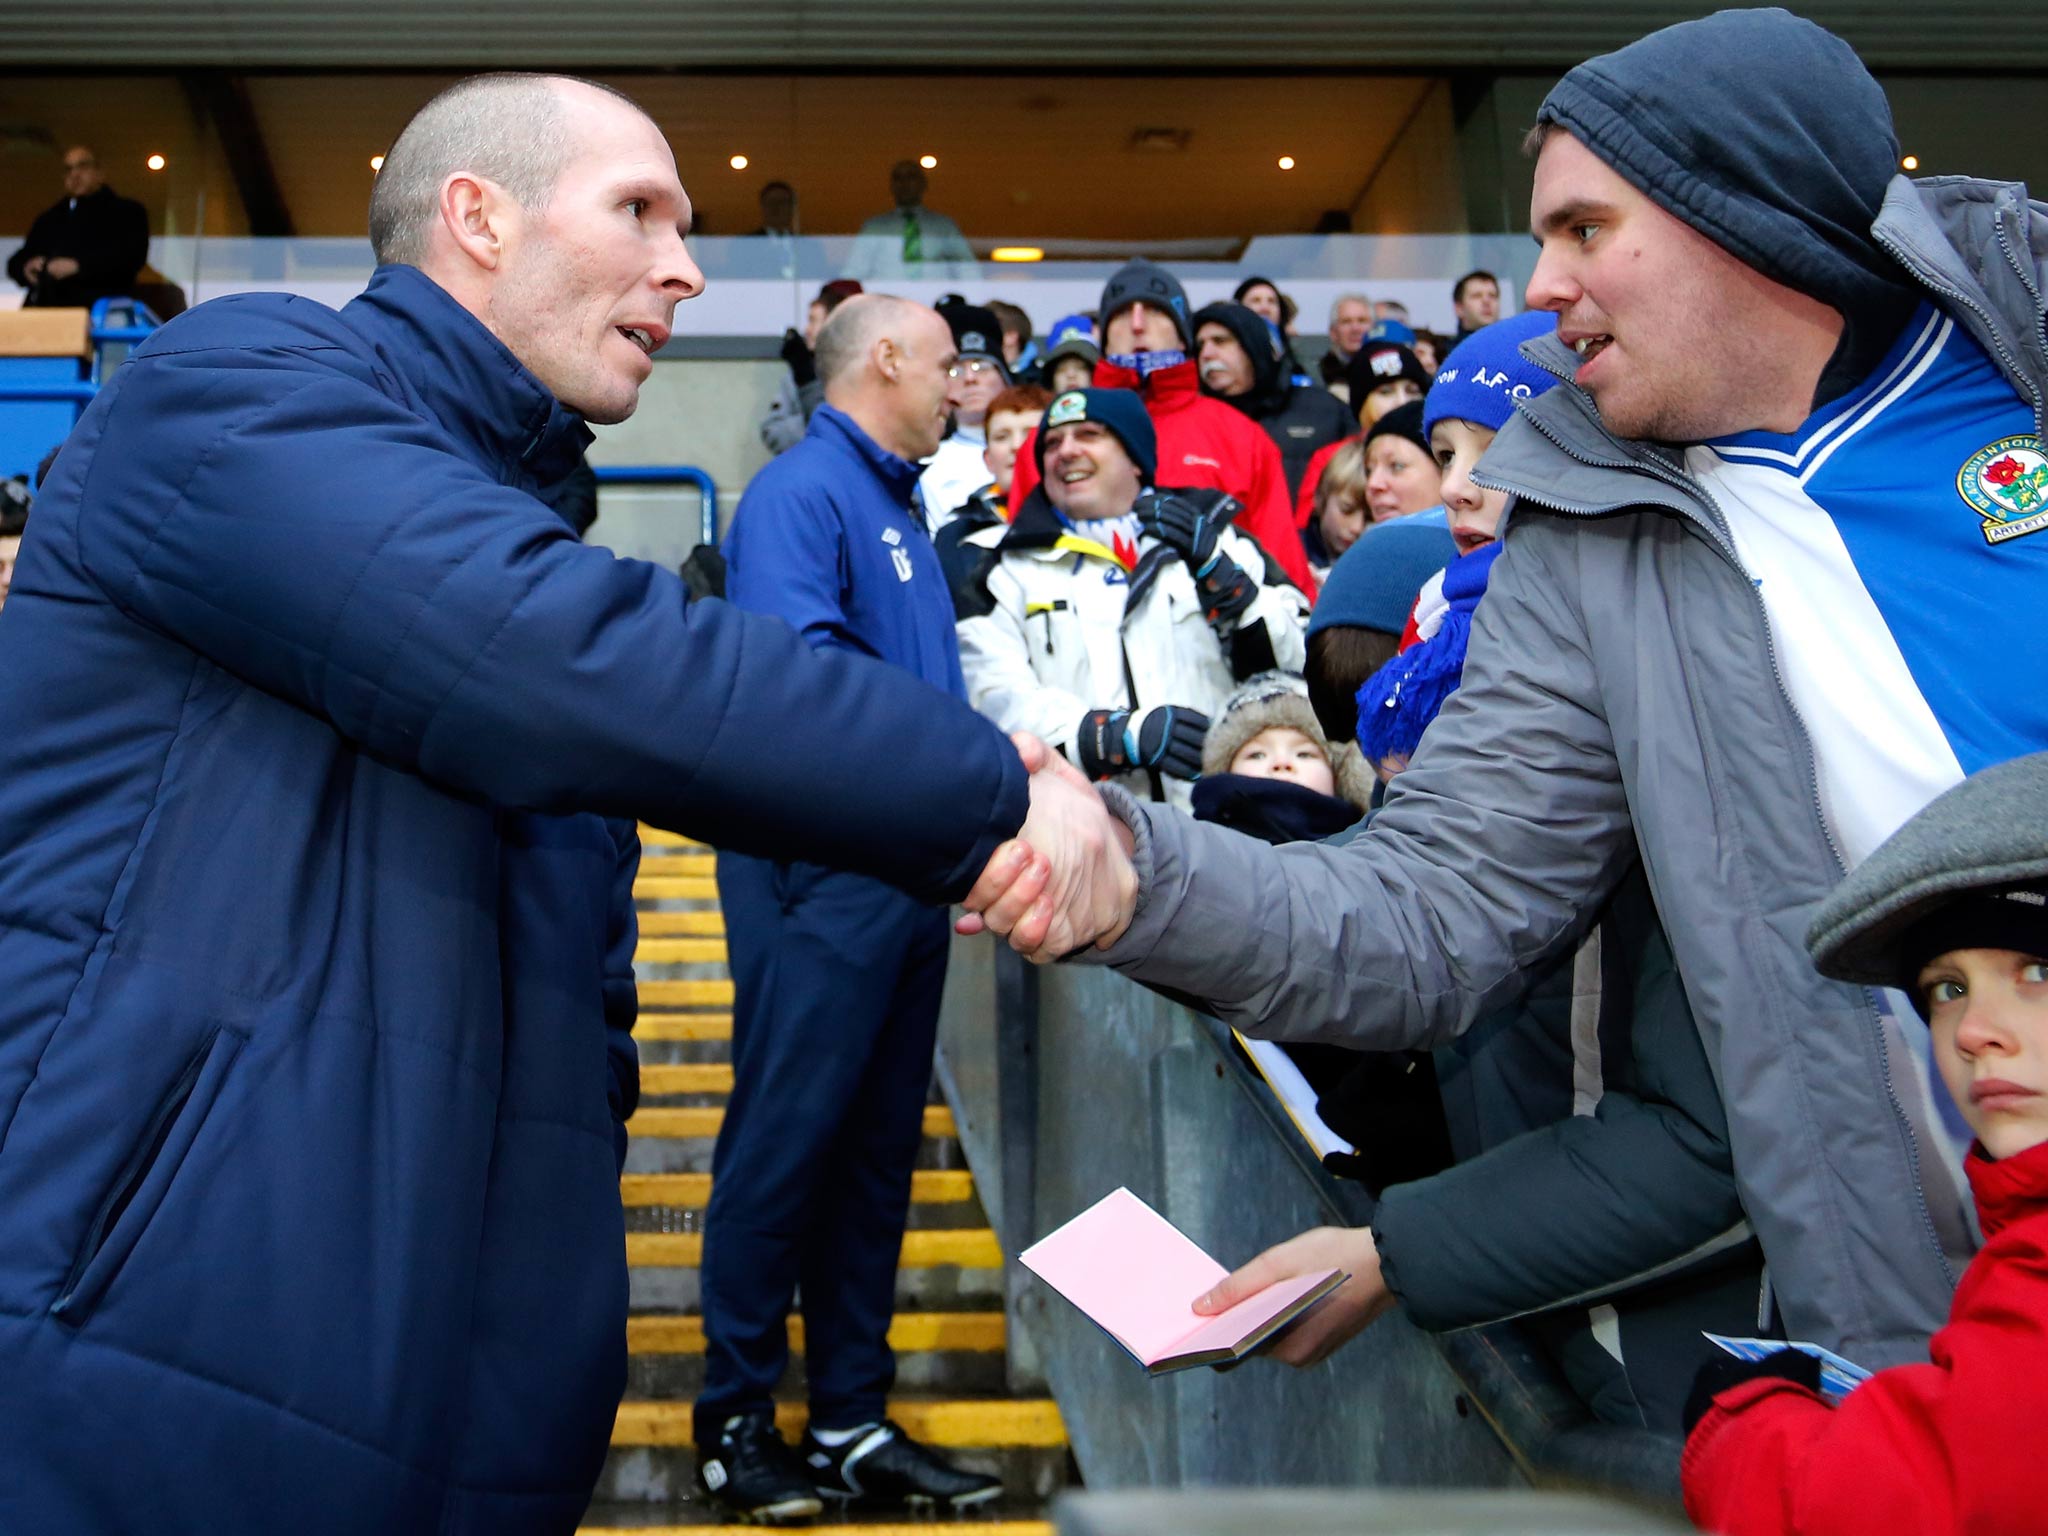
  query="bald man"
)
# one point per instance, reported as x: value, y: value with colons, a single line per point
x: 87, y: 245
x: 836, y: 976
x: 324, y: 743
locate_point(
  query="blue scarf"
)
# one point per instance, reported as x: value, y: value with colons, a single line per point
x: 1396, y: 704
x: 1145, y: 364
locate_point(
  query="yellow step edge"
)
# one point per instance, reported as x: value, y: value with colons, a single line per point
x: 891, y: 1528
x: 923, y: 1248
x: 662, y: 1120
x: 675, y: 866
x: 695, y: 951
x: 692, y: 1191
x: 954, y: 1422
x: 670, y: 924
x: 657, y: 837
x: 909, y: 1332
x: 660, y: 1077
x: 682, y: 1026
x: 685, y: 994
x: 678, y: 887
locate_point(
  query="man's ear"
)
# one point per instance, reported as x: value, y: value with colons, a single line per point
x: 888, y: 358
x: 476, y: 215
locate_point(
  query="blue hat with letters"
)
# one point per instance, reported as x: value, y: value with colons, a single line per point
x: 1486, y: 374
x: 1120, y: 410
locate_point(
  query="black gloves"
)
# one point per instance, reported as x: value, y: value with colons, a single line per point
x: 796, y: 352
x: 1190, y: 522
x: 1168, y: 738
x: 1717, y: 1376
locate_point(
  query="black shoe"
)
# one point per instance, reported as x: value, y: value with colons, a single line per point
x: 753, y: 1472
x: 886, y: 1466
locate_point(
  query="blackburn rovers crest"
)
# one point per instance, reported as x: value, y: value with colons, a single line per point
x: 2006, y: 484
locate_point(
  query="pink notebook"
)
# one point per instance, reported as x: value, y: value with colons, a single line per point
x: 1137, y: 1275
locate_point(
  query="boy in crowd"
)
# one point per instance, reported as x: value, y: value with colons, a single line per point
x: 1071, y: 353
x: 1012, y: 417
x: 1953, y: 911
x: 1111, y: 619
x: 1268, y: 770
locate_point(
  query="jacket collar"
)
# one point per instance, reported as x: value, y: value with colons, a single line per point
x: 1977, y: 247
x: 467, y: 379
x: 832, y: 425
x: 1170, y: 389
x: 2010, y: 1189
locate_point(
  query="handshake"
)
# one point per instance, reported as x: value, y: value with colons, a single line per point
x: 1065, y: 880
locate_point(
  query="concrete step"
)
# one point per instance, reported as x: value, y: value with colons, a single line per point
x: 923, y: 1248
x: 695, y: 993
x: 680, y: 1026
x: 950, y: 1353
x: 692, y: 1191
x: 692, y: 1121
x: 670, y: 924
x: 683, y: 951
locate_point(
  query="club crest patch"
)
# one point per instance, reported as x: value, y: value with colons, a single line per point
x: 2006, y: 484
x: 1070, y: 407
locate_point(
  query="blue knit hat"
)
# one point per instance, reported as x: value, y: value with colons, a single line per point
x: 1486, y: 374
x: 1120, y: 410
x: 1374, y: 583
x: 1390, y: 329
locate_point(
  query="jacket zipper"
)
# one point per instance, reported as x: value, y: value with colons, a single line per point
x: 1723, y: 543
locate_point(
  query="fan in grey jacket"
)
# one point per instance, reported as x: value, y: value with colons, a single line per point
x: 1624, y: 684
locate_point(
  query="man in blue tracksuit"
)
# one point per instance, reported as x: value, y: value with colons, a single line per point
x: 836, y: 976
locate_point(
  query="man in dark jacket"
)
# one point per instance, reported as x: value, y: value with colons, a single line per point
x: 1804, y: 393
x: 1240, y: 362
x: 323, y: 747
x: 836, y: 976
x: 87, y: 245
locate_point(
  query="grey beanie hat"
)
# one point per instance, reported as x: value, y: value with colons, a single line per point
x: 1140, y: 278
x: 1982, y: 838
x: 1281, y: 699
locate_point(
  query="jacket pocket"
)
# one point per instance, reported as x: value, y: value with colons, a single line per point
x: 139, y: 1189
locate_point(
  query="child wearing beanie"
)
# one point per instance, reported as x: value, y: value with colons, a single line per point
x: 1952, y: 910
x: 1473, y: 396
x: 1269, y: 771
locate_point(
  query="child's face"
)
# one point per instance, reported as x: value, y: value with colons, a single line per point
x: 1988, y: 1009
x: 1006, y: 433
x: 1282, y: 752
x: 1342, y: 518
x: 1474, y: 511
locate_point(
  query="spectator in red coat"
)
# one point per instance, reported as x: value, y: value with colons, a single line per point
x: 1148, y: 345
x: 1952, y: 910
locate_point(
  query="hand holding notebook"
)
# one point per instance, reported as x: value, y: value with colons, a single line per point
x: 1137, y: 1276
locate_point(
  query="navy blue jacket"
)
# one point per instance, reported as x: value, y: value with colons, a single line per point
x: 308, y: 1212
x: 825, y: 539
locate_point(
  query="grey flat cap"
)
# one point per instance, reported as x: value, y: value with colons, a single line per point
x: 1989, y: 830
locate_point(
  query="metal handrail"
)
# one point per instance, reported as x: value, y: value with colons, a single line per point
x: 670, y: 474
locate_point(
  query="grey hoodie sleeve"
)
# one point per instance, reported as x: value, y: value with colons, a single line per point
x: 1507, y: 830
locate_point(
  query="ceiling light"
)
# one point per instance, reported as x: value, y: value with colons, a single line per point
x: 376, y: 162
x: 1287, y: 162
x: 1910, y: 163
x: 1017, y: 253
x: 155, y: 162
x: 738, y: 162
x: 929, y: 162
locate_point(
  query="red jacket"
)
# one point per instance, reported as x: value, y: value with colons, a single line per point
x: 1203, y: 442
x: 1919, y: 1450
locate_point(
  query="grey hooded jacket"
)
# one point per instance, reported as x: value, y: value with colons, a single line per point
x: 1621, y: 689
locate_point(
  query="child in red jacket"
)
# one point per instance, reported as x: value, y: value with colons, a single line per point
x: 1953, y: 910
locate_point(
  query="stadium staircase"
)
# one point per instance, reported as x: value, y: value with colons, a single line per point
x: 949, y: 1332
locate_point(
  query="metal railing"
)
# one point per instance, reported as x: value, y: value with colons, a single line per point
x: 102, y: 335
x: 670, y: 474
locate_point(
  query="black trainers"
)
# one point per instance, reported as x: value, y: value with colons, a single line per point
x: 753, y: 1472
x: 886, y: 1466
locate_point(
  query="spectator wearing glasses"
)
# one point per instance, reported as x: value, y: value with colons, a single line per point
x: 977, y: 376
x: 90, y: 244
